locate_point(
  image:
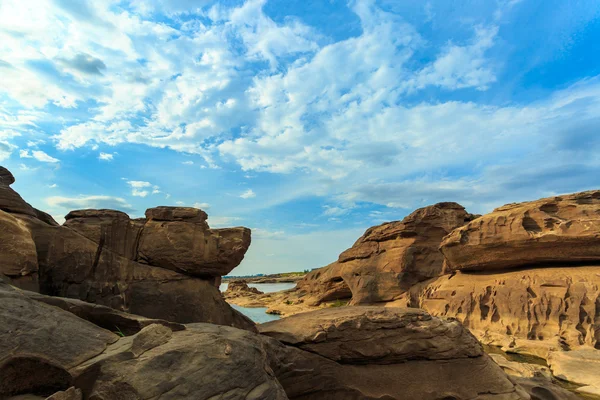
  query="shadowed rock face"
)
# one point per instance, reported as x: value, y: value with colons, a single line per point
x: 44, y: 349
x: 561, y: 230
x: 175, y: 238
x: 98, y: 257
x: 388, y: 259
x: 376, y: 353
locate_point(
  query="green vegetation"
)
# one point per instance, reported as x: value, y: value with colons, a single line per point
x: 339, y: 303
x: 119, y: 332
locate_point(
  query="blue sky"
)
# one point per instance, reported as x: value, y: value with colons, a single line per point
x: 307, y: 121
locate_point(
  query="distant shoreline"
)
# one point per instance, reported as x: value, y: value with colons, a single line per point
x: 283, y: 277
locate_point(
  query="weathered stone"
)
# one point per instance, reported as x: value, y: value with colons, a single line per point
x: 71, y: 393
x: 187, y: 214
x: 104, y: 317
x: 10, y: 201
x: 581, y: 366
x: 76, y: 267
x: 414, y: 357
x: 202, y: 362
x: 555, y: 230
x: 375, y: 335
x: 241, y: 287
x: 536, y: 310
x: 388, y: 259
x: 18, y: 255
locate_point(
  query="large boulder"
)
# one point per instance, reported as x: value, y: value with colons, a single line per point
x: 18, y: 257
x: 358, y: 353
x: 44, y: 350
x: 74, y: 266
x: 388, y: 259
x: 175, y: 238
x: 533, y: 310
x: 555, y: 230
x: 11, y: 201
x: 188, y: 245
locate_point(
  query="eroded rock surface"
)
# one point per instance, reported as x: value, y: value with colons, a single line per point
x: 555, y: 230
x: 18, y: 257
x: 376, y: 353
x: 388, y: 259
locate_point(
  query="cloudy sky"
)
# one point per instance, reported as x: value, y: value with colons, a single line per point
x: 305, y: 120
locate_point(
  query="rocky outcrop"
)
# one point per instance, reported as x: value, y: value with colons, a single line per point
x: 375, y: 353
x: 241, y: 287
x: 581, y: 366
x: 45, y: 350
x: 98, y: 257
x: 175, y: 238
x: 555, y: 230
x: 388, y: 259
x: 534, y: 310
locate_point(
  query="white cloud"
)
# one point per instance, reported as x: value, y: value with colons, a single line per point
x: 24, y: 154
x: 139, y: 184
x: 202, y: 206
x: 105, y: 156
x: 139, y: 193
x: 222, y: 222
x: 248, y: 194
x: 188, y: 163
x: 43, y: 157
x: 85, y: 201
x: 53, y: 186
x: 331, y: 211
x: 137, y: 188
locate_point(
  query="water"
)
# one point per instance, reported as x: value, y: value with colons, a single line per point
x: 265, y: 287
x: 258, y: 314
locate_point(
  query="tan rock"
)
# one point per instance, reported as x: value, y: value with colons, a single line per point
x: 18, y: 255
x: 241, y: 287
x: 71, y: 393
x: 360, y: 353
x: 388, y: 259
x: 536, y: 310
x: 581, y: 366
x: 11, y: 201
x: 561, y: 229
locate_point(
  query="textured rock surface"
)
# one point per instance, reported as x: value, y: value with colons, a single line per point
x: 175, y: 238
x: 44, y: 350
x: 388, y: 259
x: 561, y: 229
x: 538, y: 309
x: 241, y: 287
x: 18, y: 256
x: 415, y: 357
x: 580, y: 366
x: 202, y: 362
x: 76, y: 267
x: 10, y: 201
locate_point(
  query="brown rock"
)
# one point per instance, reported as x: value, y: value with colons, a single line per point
x: 417, y: 357
x: 10, y: 201
x: 534, y: 310
x: 186, y: 214
x: 241, y: 287
x: 71, y: 393
x: 562, y: 229
x: 388, y: 259
x: 76, y: 267
x: 202, y: 362
x: 18, y: 255
x: 192, y: 248
x: 581, y: 366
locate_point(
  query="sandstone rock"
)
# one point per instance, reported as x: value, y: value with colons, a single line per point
x: 537, y: 309
x: 113, y: 229
x: 388, y: 259
x: 192, y: 248
x: 202, y: 362
x: 18, y: 255
x: 561, y: 229
x: 10, y: 201
x: 71, y: 393
x: 104, y: 317
x: 580, y: 366
x: 242, y: 287
x: 542, y: 389
x: 76, y: 267
x: 415, y: 357
x: 521, y: 369
x: 374, y: 335
x: 175, y: 238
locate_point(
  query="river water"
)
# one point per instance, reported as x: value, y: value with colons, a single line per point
x: 258, y: 314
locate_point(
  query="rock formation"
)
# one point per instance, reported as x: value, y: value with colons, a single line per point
x: 555, y: 230
x: 241, y: 287
x: 44, y: 349
x: 104, y: 257
x: 388, y: 259
x: 362, y: 353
